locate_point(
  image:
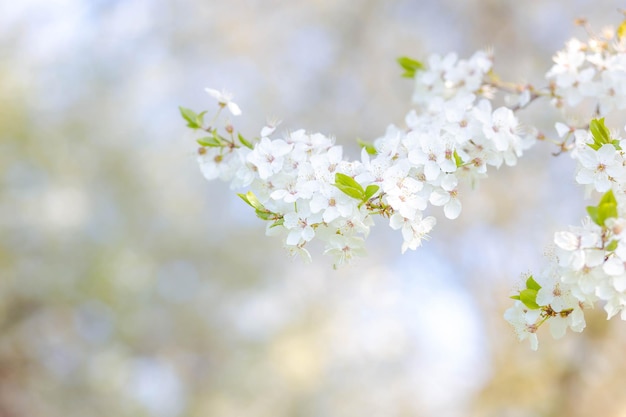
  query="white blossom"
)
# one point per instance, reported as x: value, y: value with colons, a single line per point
x: 268, y: 156
x: 600, y: 168
x: 224, y: 99
x: 413, y: 230
x: 524, y: 321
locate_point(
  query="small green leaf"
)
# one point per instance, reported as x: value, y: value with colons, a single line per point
x: 599, y: 131
x: 259, y: 209
x: 264, y: 214
x: 369, y: 148
x: 200, y: 118
x: 606, y: 211
x: 608, y: 198
x: 457, y: 159
x: 191, y: 117
x: 515, y: 297
x: 593, y: 213
x: 615, y: 143
x: 343, y: 179
x: 244, y: 197
x: 211, y: 141
x: 621, y: 30
x: 352, y: 192
x: 529, y: 298
x: 252, y: 201
x: 532, y: 284
x: 594, y: 146
x: 410, y: 66
x: 611, y: 246
x: 370, y: 190
x: 244, y: 142
x: 349, y: 186
x: 278, y: 222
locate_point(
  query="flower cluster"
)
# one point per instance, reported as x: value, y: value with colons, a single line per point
x: 589, y: 264
x: 302, y: 186
x: 595, y: 70
x: 447, y: 76
x: 589, y: 261
x: 301, y: 183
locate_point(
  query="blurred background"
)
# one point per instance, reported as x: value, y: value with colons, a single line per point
x: 130, y: 286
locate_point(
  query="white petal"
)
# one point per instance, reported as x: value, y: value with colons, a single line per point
x: 562, y: 129
x: 431, y: 170
x: 214, y: 93
x: 534, y: 341
x: 587, y: 157
x: 234, y: 108
x: 612, y: 309
x: 594, y: 258
x: 396, y: 221
x: 439, y: 197
x: 558, y: 326
x: 308, y: 233
x: 449, y: 182
x: 293, y: 238
x: 613, y: 266
x: 602, y: 184
x: 606, y: 154
x: 267, y: 130
x: 578, y: 260
x: 545, y: 295
x: 577, y: 320
x: 604, y: 291
x: 452, y: 210
x: 566, y: 240
x: 619, y: 283
x: 585, y: 176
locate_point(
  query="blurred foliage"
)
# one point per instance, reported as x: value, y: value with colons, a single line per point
x: 131, y: 287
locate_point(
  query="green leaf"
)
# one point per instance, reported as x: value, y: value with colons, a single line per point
x: 244, y: 197
x: 599, y: 131
x: 611, y: 246
x: 621, y: 30
x: 200, y: 118
x: 211, y: 141
x: 410, y: 66
x: 252, y: 201
x: 594, y: 146
x: 457, y: 159
x: 369, y: 148
x: 278, y: 222
x: 515, y: 297
x: 370, y: 190
x: 352, y: 192
x: 616, y: 144
x: 191, y: 117
x: 532, y: 284
x: 349, y: 186
x: 608, y: 198
x: 593, y: 213
x: 264, y: 214
x: 606, y: 209
x: 259, y: 209
x: 343, y: 179
x: 244, y: 142
x: 529, y: 298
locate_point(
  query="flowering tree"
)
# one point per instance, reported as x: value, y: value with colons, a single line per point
x: 465, y: 120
